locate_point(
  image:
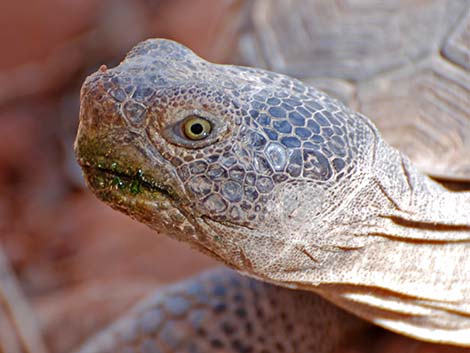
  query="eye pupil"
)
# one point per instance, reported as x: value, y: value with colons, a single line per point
x: 197, y: 129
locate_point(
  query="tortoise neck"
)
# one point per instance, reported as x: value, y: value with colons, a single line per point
x: 418, y: 204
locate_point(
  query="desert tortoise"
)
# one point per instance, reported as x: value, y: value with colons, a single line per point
x: 279, y: 181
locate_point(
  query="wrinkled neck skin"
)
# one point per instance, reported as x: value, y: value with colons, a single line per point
x: 422, y: 208
x: 411, y: 276
x: 415, y: 230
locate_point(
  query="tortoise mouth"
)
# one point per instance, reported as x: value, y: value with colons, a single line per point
x: 112, y: 184
x: 132, y: 184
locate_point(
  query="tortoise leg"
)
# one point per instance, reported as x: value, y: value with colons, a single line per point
x: 221, y: 311
x: 18, y: 331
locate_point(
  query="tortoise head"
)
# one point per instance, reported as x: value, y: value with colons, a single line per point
x: 230, y: 159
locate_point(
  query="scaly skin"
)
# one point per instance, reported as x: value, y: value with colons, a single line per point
x: 289, y: 186
x: 221, y: 311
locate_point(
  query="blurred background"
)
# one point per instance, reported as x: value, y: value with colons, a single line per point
x: 71, y: 255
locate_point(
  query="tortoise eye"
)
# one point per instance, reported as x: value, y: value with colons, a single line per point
x: 196, y: 128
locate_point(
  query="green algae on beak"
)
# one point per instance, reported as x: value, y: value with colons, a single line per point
x: 123, y: 180
x: 117, y: 176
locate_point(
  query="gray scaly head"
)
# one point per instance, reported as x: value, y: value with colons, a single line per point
x: 280, y: 181
x: 221, y: 149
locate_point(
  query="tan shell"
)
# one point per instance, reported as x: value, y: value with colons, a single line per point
x: 404, y: 64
